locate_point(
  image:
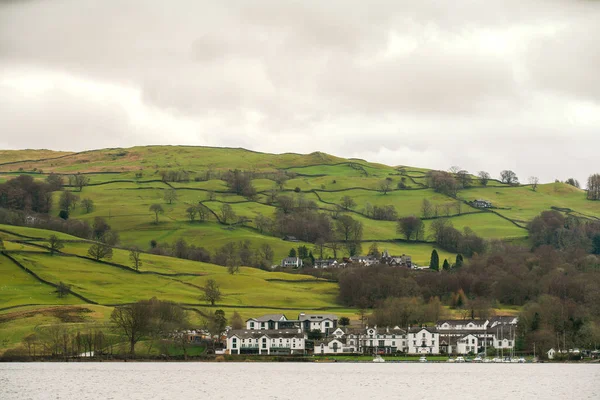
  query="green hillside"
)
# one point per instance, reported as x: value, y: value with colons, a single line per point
x: 124, y: 183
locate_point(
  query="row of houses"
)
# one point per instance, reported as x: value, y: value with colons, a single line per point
x: 275, y: 334
x: 396, y: 261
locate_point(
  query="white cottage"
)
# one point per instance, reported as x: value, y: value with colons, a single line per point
x: 423, y: 341
x: 279, y: 342
x: 467, y: 344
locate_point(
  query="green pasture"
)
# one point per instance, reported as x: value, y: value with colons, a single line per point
x: 523, y: 204
x: 17, y: 287
x: 406, y: 202
x: 487, y: 225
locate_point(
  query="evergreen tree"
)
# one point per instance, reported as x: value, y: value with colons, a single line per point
x: 435, y: 260
x: 459, y: 261
x: 446, y: 265
x: 292, y: 253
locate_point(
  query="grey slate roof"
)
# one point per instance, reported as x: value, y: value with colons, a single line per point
x: 317, y: 317
x: 273, y: 333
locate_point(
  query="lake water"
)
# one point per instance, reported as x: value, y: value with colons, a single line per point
x: 240, y: 381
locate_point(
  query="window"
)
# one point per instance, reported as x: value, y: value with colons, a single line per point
x: 326, y: 324
x: 423, y: 334
x: 509, y: 343
x: 234, y: 343
x: 433, y: 342
x: 382, y: 343
x: 393, y: 343
x: 414, y: 342
x: 264, y: 343
x: 251, y: 325
x: 472, y: 341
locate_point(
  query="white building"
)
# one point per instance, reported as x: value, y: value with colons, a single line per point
x: 268, y: 321
x: 291, y: 262
x: 334, y: 346
x: 281, y: 342
x: 423, y: 341
x: 467, y: 344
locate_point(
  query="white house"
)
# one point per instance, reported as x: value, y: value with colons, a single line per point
x: 333, y: 346
x: 551, y: 353
x: 322, y: 322
x: 291, y: 262
x: 288, y: 341
x: 423, y: 341
x: 467, y: 344
x: 458, y: 324
x: 268, y: 321
x: 383, y: 340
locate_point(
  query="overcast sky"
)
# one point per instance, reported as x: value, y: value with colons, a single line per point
x: 485, y: 85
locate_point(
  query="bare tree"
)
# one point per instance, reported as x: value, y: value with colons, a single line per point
x: 227, y: 213
x: 170, y: 195
x: 385, y: 185
x: 262, y: 223
x: 509, y: 177
x: 484, y: 177
x: 99, y: 251
x: 79, y: 180
x: 348, y: 202
x: 88, y: 205
x: 533, y: 181
x: 212, y: 292
x: 191, y: 213
x: 68, y: 201
x: 464, y: 178
x: 55, y: 244
x: 133, y: 322
x: 454, y: 169
x: 156, y: 209
x: 135, y: 255
x: 426, y: 208
x: 203, y: 212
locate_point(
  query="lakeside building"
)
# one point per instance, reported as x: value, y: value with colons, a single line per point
x: 275, y: 334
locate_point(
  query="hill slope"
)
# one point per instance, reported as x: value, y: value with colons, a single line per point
x: 123, y: 183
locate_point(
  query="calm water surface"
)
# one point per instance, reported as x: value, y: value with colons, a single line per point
x: 254, y: 381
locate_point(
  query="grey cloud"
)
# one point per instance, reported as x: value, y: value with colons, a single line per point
x: 488, y: 79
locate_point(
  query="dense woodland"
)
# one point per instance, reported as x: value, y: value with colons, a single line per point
x: 556, y: 283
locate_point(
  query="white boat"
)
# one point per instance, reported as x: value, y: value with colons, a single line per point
x: 423, y: 359
x: 514, y: 360
x: 477, y: 359
x: 497, y: 360
x: 487, y: 360
x: 451, y: 360
x: 378, y: 359
x: 460, y: 359
x: 522, y: 360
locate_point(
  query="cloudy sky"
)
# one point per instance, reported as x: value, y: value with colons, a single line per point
x: 485, y: 85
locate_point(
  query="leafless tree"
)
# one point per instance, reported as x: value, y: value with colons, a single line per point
x: 385, y: 185
x: 426, y: 208
x: 135, y: 256
x: 55, y: 244
x: 170, y: 195
x: 533, y: 181
x: 99, y: 251
x: 484, y: 177
x: 348, y: 202
x: 156, y: 209
x: 509, y: 177
x: 88, y: 205
x: 212, y: 292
